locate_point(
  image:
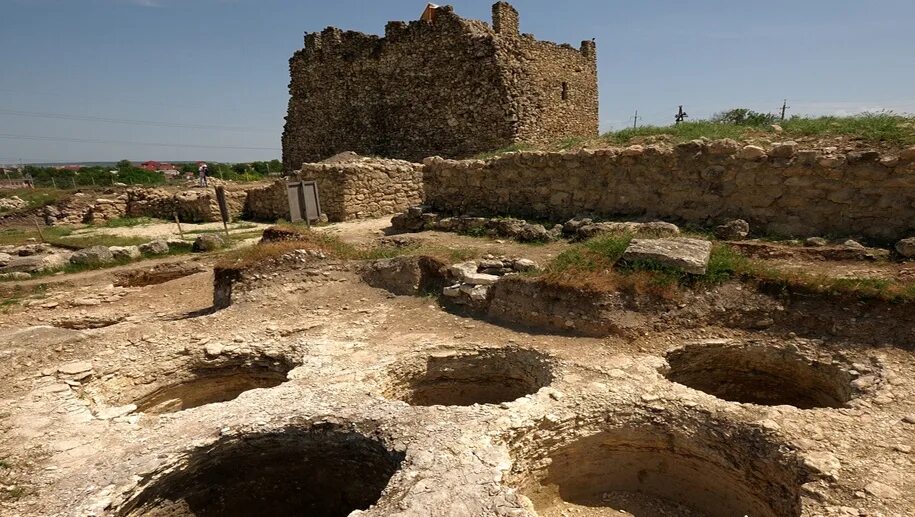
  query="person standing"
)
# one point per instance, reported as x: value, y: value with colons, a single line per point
x: 202, y: 173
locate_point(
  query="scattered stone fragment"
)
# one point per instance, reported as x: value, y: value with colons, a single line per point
x: 125, y: 252
x: 883, y: 491
x: 208, y: 242
x: 75, y: 368
x: 751, y: 152
x: 115, y: 412
x: 525, y: 265
x: 906, y: 247
x: 647, y: 230
x: 479, y: 279
x: 452, y: 291
x: 733, y: 230
x: 157, y: 247
x: 783, y: 149
x: 93, y: 256
x: 688, y: 255
x: 815, y: 242
x: 851, y: 243
x: 822, y: 463
x: 15, y: 275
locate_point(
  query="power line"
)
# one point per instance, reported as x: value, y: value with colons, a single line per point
x: 110, y: 99
x: 88, y: 118
x: 122, y: 142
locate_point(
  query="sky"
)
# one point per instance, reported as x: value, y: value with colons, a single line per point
x: 103, y: 80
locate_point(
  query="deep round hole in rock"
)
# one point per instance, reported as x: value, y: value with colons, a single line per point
x: 488, y: 376
x: 316, y: 472
x: 761, y: 374
x: 652, y: 471
x: 208, y: 384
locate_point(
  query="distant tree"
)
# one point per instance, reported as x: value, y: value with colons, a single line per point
x: 124, y: 164
x: 188, y: 168
x: 240, y: 168
x: 744, y: 117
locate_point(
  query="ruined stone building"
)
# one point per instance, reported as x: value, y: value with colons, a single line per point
x: 441, y: 85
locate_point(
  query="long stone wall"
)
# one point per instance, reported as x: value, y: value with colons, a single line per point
x: 365, y: 187
x: 782, y: 190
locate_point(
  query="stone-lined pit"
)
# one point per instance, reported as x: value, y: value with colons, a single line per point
x: 208, y: 384
x: 316, y: 472
x: 490, y: 376
x: 660, y: 470
x: 761, y: 374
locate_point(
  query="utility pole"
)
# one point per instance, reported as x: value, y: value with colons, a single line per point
x: 680, y: 116
x: 635, y: 120
x: 785, y: 108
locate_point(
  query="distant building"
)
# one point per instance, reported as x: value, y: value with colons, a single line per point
x: 154, y: 166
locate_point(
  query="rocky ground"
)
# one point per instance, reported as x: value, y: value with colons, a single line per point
x: 135, y: 397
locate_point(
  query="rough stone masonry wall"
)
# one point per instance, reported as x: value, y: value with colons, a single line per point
x: 366, y: 187
x: 451, y: 87
x: 785, y: 191
x: 268, y: 203
x: 553, y: 88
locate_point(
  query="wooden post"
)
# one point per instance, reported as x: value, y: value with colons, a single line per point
x: 178, y: 222
x: 37, y: 227
x: 53, y: 183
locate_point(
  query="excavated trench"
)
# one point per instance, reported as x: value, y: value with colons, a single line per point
x: 763, y: 375
x: 660, y: 470
x: 490, y: 376
x: 315, y: 472
x: 214, y: 383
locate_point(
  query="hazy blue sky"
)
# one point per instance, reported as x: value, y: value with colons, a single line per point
x: 222, y: 64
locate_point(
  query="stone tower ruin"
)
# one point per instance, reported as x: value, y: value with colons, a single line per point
x: 441, y: 85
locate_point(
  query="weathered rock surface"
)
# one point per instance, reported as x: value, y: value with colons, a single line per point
x: 12, y: 203
x: 583, y: 229
x: 688, y: 255
x: 125, y: 252
x: 93, y: 256
x: 208, y: 242
x: 906, y: 247
x: 733, y: 230
x: 157, y: 247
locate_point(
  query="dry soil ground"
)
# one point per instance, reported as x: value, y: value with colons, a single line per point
x: 317, y: 394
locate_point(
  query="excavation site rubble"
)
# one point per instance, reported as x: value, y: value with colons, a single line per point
x: 339, y: 371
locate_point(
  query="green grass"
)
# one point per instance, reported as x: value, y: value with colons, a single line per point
x: 601, y: 252
x: 873, y: 127
x: 882, y: 127
x: 679, y: 133
x: 239, y: 226
x: 594, y: 264
x: 870, y: 127
x: 128, y: 222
